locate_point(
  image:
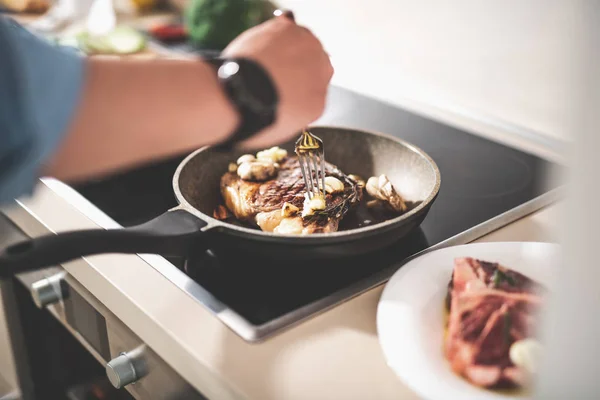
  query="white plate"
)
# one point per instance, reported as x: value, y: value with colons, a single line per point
x: 410, y: 314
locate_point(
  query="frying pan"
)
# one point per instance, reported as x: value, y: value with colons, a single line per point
x: 190, y: 226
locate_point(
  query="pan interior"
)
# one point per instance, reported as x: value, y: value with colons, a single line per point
x: 355, y: 152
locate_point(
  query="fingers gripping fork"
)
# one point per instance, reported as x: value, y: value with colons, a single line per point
x: 311, y: 156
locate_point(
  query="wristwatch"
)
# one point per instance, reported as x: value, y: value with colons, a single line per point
x: 251, y: 90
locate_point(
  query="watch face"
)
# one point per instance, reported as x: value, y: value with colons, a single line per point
x: 251, y: 84
x: 228, y: 69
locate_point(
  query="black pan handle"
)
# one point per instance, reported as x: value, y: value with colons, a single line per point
x: 174, y: 233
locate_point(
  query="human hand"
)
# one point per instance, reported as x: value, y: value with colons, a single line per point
x: 299, y: 67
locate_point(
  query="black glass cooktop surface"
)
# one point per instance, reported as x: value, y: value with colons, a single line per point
x: 484, y: 186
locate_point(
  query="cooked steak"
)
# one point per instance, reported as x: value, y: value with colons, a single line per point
x: 262, y: 203
x: 491, y: 307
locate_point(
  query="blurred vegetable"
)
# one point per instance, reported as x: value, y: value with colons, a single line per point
x: 120, y: 41
x: 168, y: 32
x: 215, y: 23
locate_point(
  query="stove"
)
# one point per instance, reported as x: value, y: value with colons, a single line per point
x: 485, y: 185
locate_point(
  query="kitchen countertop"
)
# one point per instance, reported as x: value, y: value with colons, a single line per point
x: 335, y: 355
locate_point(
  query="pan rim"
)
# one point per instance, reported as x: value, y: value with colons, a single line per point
x: 314, y: 237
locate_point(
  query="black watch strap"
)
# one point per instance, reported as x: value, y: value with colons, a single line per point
x: 252, y: 92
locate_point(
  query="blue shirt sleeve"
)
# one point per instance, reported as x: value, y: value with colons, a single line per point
x: 40, y: 85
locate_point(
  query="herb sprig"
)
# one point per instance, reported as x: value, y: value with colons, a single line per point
x: 498, y: 277
x: 341, y: 208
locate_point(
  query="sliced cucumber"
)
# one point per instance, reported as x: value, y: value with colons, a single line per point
x: 125, y: 40
x: 121, y: 40
x: 93, y: 44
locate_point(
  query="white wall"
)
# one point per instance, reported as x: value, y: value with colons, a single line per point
x: 507, y: 59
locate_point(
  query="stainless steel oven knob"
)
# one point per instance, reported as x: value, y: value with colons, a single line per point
x: 49, y: 290
x: 126, y: 369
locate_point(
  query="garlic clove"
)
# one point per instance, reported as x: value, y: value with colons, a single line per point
x: 289, y: 226
x: 386, y: 190
x: 268, y: 220
x: 373, y: 187
x: 383, y: 180
x: 244, y: 171
x: 257, y: 170
x: 382, y: 189
x: 274, y: 154
x: 317, y: 203
x: 245, y: 158
x: 289, y: 210
x: 333, y: 185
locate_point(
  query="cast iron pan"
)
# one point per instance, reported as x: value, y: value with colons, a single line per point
x: 190, y: 227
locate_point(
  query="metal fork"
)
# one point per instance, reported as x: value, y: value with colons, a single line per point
x: 311, y: 156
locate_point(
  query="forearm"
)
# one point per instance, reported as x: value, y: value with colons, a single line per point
x: 132, y: 111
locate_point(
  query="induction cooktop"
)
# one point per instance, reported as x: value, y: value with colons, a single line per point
x: 485, y: 185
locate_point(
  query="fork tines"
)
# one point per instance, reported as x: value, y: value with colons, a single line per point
x: 311, y: 156
x: 313, y: 171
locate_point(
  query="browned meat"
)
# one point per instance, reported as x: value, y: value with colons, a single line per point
x: 492, y: 275
x: 261, y: 203
x: 491, y: 307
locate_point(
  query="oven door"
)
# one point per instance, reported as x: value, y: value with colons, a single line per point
x: 60, y: 342
x: 13, y: 380
x: 9, y: 384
